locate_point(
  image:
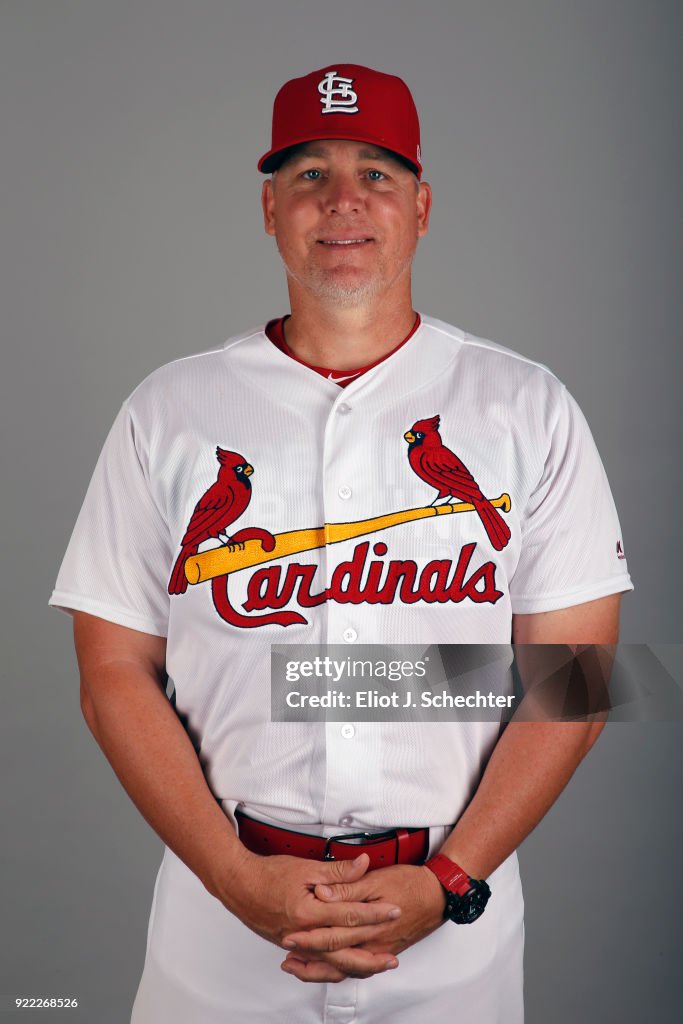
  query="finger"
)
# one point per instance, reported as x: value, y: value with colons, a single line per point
x: 331, y: 940
x: 343, y: 892
x: 352, y: 915
x: 335, y: 871
x: 312, y: 970
x: 353, y: 963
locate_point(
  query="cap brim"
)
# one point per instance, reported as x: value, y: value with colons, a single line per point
x: 270, y: 160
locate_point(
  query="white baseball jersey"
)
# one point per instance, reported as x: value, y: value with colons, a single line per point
x: 322, y: 455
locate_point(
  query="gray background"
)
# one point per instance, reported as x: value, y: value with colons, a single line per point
x: 131, y: 234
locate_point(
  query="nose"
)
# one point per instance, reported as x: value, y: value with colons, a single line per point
x: 343, y: 194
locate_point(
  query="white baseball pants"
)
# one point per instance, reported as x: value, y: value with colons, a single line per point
x: 203, y: 966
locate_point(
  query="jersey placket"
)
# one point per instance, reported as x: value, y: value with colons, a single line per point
x: 351, y: 746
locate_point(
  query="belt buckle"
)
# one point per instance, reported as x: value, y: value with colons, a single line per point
x: 371, y: 838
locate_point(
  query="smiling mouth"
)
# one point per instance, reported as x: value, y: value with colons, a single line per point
x: 344, y: 241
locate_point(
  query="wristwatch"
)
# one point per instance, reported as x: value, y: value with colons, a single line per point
x: 466, y: 897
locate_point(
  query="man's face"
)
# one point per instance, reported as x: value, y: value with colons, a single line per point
x: 346, y: 217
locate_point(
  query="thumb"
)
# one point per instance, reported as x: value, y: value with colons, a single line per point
x: 339, y: 871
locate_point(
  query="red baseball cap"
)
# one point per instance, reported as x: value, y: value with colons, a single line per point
x: 345, y: 101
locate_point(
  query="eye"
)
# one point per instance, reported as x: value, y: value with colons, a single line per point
x: 375, y: 175
x: 239, y: 469
x: 312, y: 174
x: 419, y: 434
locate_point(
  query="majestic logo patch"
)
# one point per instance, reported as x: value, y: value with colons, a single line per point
x: 336, y: 94
x: 360, y: 580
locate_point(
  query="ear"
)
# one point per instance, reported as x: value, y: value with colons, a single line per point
x: 268, y: 205
x: 424, y: 206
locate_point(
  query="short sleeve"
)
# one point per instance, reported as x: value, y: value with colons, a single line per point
x: 571, y: 547
x: 117, y: 561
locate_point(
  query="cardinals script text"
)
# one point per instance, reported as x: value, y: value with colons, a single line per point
x: 357, y: 581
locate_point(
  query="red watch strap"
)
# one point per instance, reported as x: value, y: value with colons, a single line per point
x: 450, y: 874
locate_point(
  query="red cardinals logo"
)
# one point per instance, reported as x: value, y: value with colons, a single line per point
x: 360, y: 580
x: 216, y: 510
x: 439, y: 467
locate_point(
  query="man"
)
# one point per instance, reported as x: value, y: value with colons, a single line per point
x: 202, y: 541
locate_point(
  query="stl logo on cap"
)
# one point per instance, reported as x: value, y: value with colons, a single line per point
x: 336, y: 94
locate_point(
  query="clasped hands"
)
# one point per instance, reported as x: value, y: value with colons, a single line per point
x: 336, y: 919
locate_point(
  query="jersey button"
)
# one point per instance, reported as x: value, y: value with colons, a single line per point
x: 350, y: 635
x: 344, y: 492
x: 346, y: 820
x: 348, y: 731
x: 344, y: 408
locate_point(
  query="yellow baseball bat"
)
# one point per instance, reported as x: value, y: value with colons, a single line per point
x: 224, y: 560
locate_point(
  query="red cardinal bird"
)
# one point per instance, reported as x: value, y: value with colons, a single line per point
x: 222, y: 504
x: 441, y: 468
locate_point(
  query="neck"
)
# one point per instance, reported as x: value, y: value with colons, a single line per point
x: 432, y: 440
x: 346, y: 338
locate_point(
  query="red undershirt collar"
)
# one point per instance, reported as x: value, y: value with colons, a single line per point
x: 275, y: 331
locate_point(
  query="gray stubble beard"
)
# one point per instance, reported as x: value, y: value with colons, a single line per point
x: 335, y: 293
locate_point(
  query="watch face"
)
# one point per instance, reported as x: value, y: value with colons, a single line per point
x: 474, y: 907
x: 466, y: 909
